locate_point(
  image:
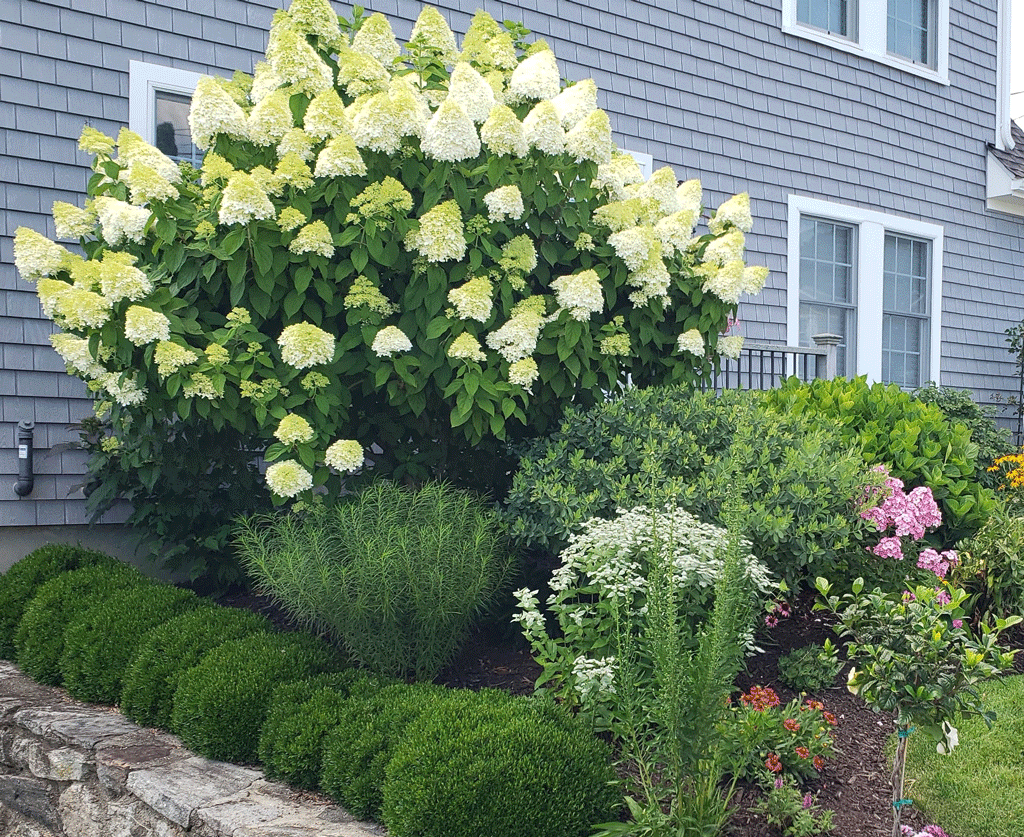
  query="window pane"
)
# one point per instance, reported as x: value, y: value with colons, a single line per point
x: 905, y: 322
x: 824, y: 319
x: 833, y: 16
x: 172, y: 133
x: 911, y: 28
x: 903, y: 350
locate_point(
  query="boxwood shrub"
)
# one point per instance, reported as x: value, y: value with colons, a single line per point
x: 39, y: 640
x: 101, y: 641
x: 504, y: 767
x: 170, y: 649
x: 19, y: 584
x: 221, y: 703
x: 301, y: 714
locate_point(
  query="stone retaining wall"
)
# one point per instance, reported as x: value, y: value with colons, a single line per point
x: 69, y: 769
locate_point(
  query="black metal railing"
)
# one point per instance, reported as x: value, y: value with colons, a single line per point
x: 762, y: 366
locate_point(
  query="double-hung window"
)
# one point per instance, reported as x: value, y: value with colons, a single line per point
x: 159, y: 99
x: 910, y: 34
x: 873, y: 279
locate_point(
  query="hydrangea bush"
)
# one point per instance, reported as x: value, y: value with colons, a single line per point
x: 428, y: 251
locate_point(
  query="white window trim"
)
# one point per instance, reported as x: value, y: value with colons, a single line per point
x: 144, y: 80
x: 643, y: 159
x: 871, y: 229
x: 872, y: 37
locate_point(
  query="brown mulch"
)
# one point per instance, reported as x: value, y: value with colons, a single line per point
x: 855, y: 781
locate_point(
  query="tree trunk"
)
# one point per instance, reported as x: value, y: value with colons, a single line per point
x: 899, y: 766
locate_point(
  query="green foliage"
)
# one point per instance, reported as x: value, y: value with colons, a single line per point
x: 186, y: 482
x: 39, y: 641
x: 396, y: 575
x: 656, y: 445
x: 368, y: 250
x: 221, y: 703
x: 810, y: 668
x: 359, y: 748
x: 19, y: 584
x: 991, y: 567
x: 503, y: 766
x: 958, y: 406
x: 301, y: 714
x: 172, y: 648
x: 912, y: 438
x: 101, y: 641
x: 795, y: 814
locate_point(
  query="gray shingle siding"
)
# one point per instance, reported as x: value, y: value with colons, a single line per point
x: 714, y: 89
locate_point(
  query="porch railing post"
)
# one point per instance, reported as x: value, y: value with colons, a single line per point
x: 826, y: 367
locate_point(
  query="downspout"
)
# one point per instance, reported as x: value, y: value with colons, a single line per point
x: 1004, y: 139
x: 26, y: 479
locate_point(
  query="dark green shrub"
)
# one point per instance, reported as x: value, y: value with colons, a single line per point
x: 101, y: 641
x: 991, y: 566
x: 652, y: 446
x: 506, y: 768
x: 221, y: 703
x: 358, y: 749
x: 300, y: 717
x: 169, y: 650
x: 957, y: 405
x: 810, y: 668
x: 19, y: 584
x: 395, y: 574
x: 39, y: 641
x: 910, y: 437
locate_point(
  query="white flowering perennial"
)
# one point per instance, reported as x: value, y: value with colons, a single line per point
x: 294, y: 429
x: 692, y: 341
x: 505, y: 202
x: 471, y: 91
x: 120, y: 279
x: 503, y: 133
x: 144, y: 325
x: 121, y: 221
x: 313, y: 238
x: 214, y: 112
x: 591, y: 139
x: 536, y: 78
x: 433, y: 31
x: 36, y: 256
x: 441, y: 236
x: 390, y: 340
x: 271, y: 118
x: 726, y: 248
x: 580, y: 293
x: 70, y: 222
x: 340, y: 158
x: 377, y: 39
x: 288, y: 478
x: 295, y: 61
x: 575, y: 103
x: 523, y: 373
x: 125, y: 392
x: 345, y: 455
x: 75, y: 353
x: 734, y: 212
x: 730, y: 346
x: 543, y: 129
x: 170, y: 357
x: 450, y: 135
x: 304, y: 345
x: 244, y: 201
x: 466, y: 347
x: 473, y: 300
x: 517, y: 338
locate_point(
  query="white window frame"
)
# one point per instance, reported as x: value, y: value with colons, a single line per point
x: 144, y: 80
x: 872, y: 37
x: 643, y: 159
x: 871, y: 229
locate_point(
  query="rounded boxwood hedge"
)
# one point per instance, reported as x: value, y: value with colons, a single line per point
x: 301, y: 714
x: 20, y: 583
x: 357, y: 750
x: 169, y: 650
x: 39, y: 640
x: 221, y: 703
x: 501, y: 767
x: 102, y: 640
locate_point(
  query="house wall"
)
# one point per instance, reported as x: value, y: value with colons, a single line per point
x: 715, y: 89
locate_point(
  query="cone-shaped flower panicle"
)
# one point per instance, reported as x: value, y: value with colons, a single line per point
x: 471, y: 90
x: 121, y: 221
x: 503, y: 133
x: 544, y: 129
x: 441, y: 236
x: 376, y: 38
x: 36, y: 256
x: 734, y: 212
x: 304, y: 345
x: 244, y: 201
x: 450, y: 135
x: 536, y: 78
x: 576, y: 103
x: 432, y: 31
x: 214, y: 112
x: 271, y: 119
x: 144, y: 325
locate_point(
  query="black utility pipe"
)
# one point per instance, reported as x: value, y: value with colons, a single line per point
x: 26, y: 479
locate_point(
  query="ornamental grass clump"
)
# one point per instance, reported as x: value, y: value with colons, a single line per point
x: 395, y: 575
x: 348, y: 186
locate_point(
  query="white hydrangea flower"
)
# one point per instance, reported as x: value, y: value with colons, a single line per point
x: 380, y: 121
x: 243, y: 201
x: 145, y: 185
x: 75, y: 353
x: 636, y: 246
x: 580, y: 293
x: 390, y: 340
x: 651, y: 282
x: 289, y: 218
x: 471, y: 90
x: 466, y: 347
x: 325, y: 116
x: 535, y: 78
x: 120, y: 279
x: 77, y: 308
x: 576, y: 103
x: 690, y: 196
x: 433, y: 30
x: 264, y: 82
x: 294, y: 429
x: 725, y: 282
x: 517, y: 338
x: 377, y: 39
x: 345, y: 455
x: 340, y: 158
x: 360, y: 74
x: 50, y: 292
x: 143, y: 326
x: 441, y: 236
x: 313, y: 238
x: 36, y: 256
x: 170, y: 357
x: 304, y: 345
x: 199, y: 385
x: 730, y: 346
x: 315, y: 17
x: 296, y: 142
x: 754, y: 278
x: 121, y: 221
x: 214, y: 112
x: 692, y: 341
x: 450, y: 134
x: 70, y: 222
x: 288, y: 478
x: 95, y: 142
x: 504, y: 202
x: 296, y: 62
x: 472, y: 300
x: 621, y: 171
x: 726, y: 248
x: 675, y: 231
x: 132, y: 149
x: 591, y: 139
x: 271, y: 118
x: 543, y: 129
x: 503, y: 133
x: 735, y: 211
x: 523, y: 373
x: 127, y: 393
x: 661, y: 187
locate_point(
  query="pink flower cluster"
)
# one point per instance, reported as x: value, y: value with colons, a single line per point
x: 938, y: 562
x: 927, y: 831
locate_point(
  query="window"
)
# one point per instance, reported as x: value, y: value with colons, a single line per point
x: 910, y: 34
x: 871, y: 278
x: 158, y: 102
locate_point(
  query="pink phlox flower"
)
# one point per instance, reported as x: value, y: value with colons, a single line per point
x: 938, y: 563
x: 908, y: 596
x: 941, y: 596
x: 889, y: 548
x: 920, y: 499
x: 808, y: 799
x: 779, y: 783
x: 958, y: 623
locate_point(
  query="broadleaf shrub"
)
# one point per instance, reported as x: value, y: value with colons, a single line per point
x: 670, y: 445
x: 503, y: 767
x: 101, y: 641
x: 991, y: 568
x: 912, y: 438
x: 39, y: 641
x: 169, y: 650
x: 221, y: 703
x: 19, y: 584
x: 396, y: 575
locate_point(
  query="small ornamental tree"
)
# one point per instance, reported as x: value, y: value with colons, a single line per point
x: 424, y: 253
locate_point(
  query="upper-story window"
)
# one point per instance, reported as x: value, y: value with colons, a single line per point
x: 910, y: 34
x: 158, y: 103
